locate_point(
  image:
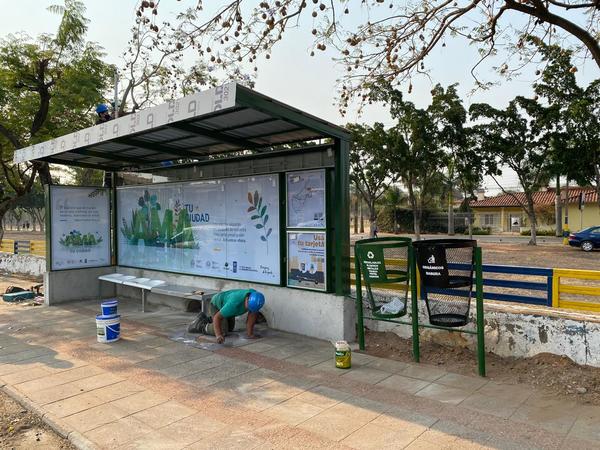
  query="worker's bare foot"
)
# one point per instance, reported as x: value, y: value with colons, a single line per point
x: 220, y: 339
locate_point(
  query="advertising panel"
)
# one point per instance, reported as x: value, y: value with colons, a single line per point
x: 226, y: 228
x: 306, y: 261
x: 306, y: 199
x: 80, y: 227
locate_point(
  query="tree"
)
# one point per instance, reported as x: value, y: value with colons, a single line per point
x: 48, y: 88
x: 371, y: 157
x: 417, y: 157
x: 34, y: 205
x: 86, y: 177
x: 389, y: 203
x: 376, y: 39
x: 517, y: 137
x: 576, y: 112
x: 449, y: 116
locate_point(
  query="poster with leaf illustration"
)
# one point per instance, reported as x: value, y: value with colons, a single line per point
x: 80, y: 227
x: 227, y: 228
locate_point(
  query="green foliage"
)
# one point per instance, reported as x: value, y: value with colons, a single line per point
x: 520, y: 138
x: 575, y: 116
x: 417, y: 157
x: 48, y: 88
x: 146, y: 225
x: 372, y: 158
x: 259, y: 214
x: 480, y: 231
x: 76, y: 239
x: 547, y: 232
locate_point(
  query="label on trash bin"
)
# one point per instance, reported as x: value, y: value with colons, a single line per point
x: 433, y: 266
x: 373, y: 264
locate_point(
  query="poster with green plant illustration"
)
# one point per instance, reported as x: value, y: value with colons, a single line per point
x: 227, y: 228
x: 259, y: 216
x: 156, y: 227
x: 79, y: 227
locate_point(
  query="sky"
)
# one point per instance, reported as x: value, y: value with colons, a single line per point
x: 291, y: 75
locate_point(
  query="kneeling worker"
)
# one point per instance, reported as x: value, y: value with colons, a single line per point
x: 225, y: 307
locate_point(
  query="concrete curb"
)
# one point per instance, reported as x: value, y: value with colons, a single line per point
x: 55, y: 424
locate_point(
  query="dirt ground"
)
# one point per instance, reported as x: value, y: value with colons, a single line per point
x: 556, y: 374
x: 21, y: 429
x: 551, y: 256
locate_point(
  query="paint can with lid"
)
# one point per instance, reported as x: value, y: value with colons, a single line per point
x: 343, y: 355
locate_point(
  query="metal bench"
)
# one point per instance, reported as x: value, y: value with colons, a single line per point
x: 160, y: 287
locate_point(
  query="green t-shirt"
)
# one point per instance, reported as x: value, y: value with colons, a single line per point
x: 231, y: 303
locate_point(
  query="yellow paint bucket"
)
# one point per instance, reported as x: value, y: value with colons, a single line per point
x: 343, y: 355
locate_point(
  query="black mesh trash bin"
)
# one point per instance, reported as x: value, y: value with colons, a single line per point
x: 385, y: 265
x: 446, y: 270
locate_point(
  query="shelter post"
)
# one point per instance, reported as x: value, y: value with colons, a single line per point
x: 342, y: 216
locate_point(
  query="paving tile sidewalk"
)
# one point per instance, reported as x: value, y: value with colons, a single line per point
x: 283, y: 391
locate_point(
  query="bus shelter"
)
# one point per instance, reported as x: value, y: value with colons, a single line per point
x: 222, y: 189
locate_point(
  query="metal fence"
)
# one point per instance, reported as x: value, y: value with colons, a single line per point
x: 25, y: 247
x: 536, y: 286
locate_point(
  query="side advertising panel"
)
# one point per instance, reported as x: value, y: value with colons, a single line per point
x: 80, y: 228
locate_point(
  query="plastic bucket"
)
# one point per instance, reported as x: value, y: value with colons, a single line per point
x: 109, y: 307
x: 108, y: 328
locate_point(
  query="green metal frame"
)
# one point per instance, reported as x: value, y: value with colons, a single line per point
x: 342, y: 217
x: 48, y: 219
x: 479, y: 321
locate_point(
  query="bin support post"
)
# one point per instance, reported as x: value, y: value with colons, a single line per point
x: 479, y: 303
x: 414, y: 303
x: 359, y: 306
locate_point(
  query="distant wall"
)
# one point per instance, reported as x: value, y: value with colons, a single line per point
x: 30, y: 265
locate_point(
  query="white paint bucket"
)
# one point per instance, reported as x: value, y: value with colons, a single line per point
x: 108, y: 328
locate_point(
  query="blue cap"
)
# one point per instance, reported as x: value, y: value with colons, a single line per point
x: 101, y: 108
x: 256, y: 300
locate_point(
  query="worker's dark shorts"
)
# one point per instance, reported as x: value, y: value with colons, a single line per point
x: 227, y: 324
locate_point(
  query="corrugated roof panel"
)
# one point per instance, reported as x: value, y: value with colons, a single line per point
x: 138, y: 152
x: 262, y: 129
x: 111, y: 146
x: 289, y: 136
x: 165, y: 134
x: 233, y: 119
x: 196, y: 141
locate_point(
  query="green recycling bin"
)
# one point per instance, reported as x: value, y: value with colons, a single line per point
x: 385, y: 268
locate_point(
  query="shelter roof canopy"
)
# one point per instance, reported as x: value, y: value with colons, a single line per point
x: 216, y: 122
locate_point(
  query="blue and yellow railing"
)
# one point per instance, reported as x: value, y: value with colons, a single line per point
x: 21, y: 246
x: 548, y: 289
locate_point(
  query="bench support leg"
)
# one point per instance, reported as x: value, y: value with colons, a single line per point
x: 143, y: 300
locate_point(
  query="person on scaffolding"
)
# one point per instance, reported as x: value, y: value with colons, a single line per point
x: 224, y: 308
x: 103, y: 114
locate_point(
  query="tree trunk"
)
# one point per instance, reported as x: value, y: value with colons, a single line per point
x: 470, y: 225
x: 415, y: 211
x: 567, y: 205
x: 372, y: 219
x: 356, y: 200
x: 451, y: 211
x: 558, y: 209
x: 532, y: 219
x: 362, y: 218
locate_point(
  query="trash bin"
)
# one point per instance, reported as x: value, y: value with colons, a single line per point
x: 385, y: 268
x: 446, y: 270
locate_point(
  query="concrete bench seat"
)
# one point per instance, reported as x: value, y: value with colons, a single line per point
x: 117, y: 278
x: 187, y: 292
x: 160, y: 287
